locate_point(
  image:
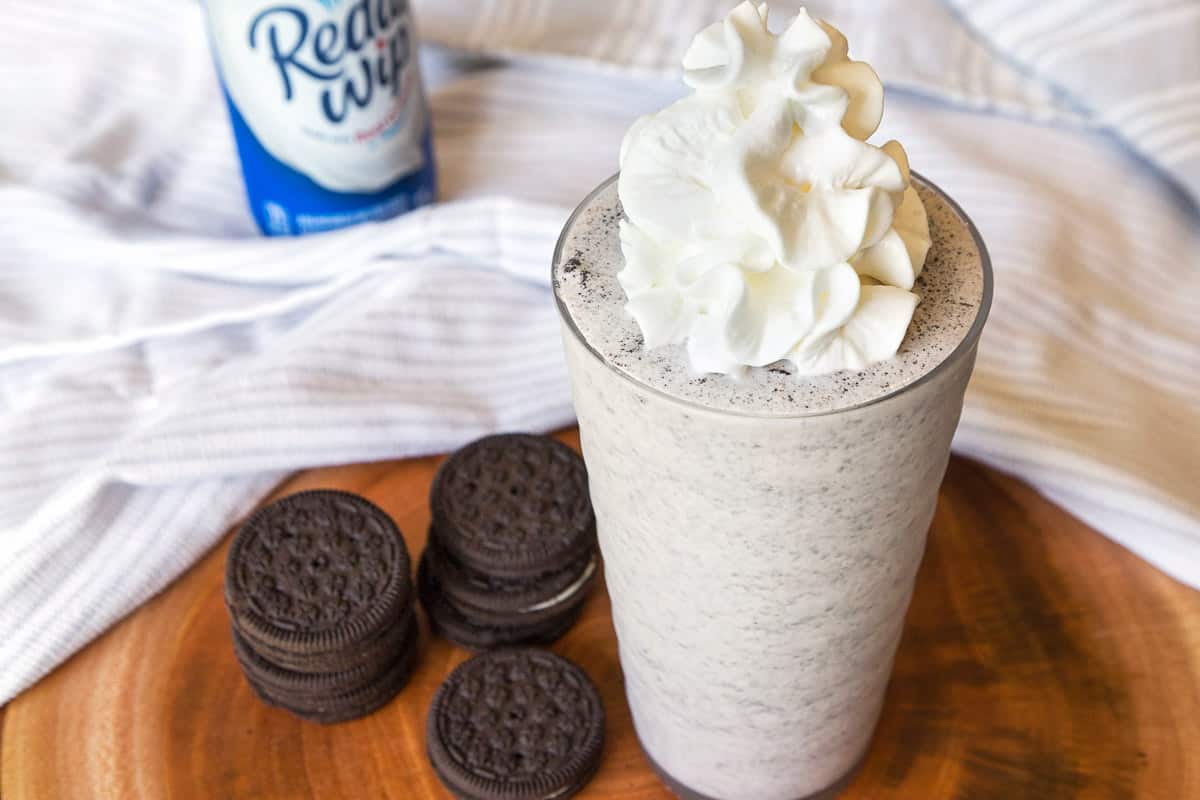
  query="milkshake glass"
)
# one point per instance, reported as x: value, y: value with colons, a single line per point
x: 761, y: 535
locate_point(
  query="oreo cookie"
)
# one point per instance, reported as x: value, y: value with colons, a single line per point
x: 343, y: 706
x: 316, y: 572
x: 502, y: 601
x: 301, y: 686
x: 515, y: 725
x: 320, y: 599
x: 513, y: 506
x: 512, y: 549
x: 467, y: 629
x: 372, y: 651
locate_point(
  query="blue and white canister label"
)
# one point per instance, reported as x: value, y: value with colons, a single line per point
x: 328, y: 109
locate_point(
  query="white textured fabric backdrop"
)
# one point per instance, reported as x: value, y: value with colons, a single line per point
x: 161, y: 367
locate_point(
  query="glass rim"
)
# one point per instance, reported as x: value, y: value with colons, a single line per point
x: 969, y: 340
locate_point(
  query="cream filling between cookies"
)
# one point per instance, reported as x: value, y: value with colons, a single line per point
x: 566, y: 593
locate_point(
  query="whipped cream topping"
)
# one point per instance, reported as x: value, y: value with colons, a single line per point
x: 760, y: 225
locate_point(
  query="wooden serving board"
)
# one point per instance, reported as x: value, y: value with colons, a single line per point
x: 1040, y: 660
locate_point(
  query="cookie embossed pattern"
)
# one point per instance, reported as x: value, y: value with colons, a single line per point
x: 513, y: 504
x: 317, y: 570
x: 516, y: 725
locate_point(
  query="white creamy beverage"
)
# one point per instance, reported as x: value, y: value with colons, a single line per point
x: 768, y: 352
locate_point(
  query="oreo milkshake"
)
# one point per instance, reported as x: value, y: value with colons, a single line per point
x: 769, y: 326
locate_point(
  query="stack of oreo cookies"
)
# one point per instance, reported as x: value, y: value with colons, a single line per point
x: 320, y: 597
x: 512, y: 547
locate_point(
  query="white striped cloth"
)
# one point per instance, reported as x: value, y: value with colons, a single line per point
x: 161, y: 367
x: 1129, y: 66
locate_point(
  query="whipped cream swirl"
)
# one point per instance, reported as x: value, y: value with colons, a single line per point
x: 760, y: 224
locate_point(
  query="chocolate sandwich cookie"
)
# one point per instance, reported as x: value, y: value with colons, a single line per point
x: 513, y: 506
x: 317, y: 572
x: 515, y: 725
x: 372, y: 651
x: 332, y: 707
x: 304, y: 685
x: 505, y: 601
x: 467, y: 629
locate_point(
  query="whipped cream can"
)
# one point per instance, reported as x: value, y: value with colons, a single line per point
x: 328, y: 110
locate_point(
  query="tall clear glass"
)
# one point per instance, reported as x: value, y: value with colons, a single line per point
x: 760, y: 567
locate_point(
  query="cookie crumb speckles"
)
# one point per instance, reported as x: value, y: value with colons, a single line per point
x: 950, y: 287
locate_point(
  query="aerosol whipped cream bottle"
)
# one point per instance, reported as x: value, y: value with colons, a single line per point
x: 328, y: 109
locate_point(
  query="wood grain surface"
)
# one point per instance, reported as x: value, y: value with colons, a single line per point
x: 1039, y: 661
